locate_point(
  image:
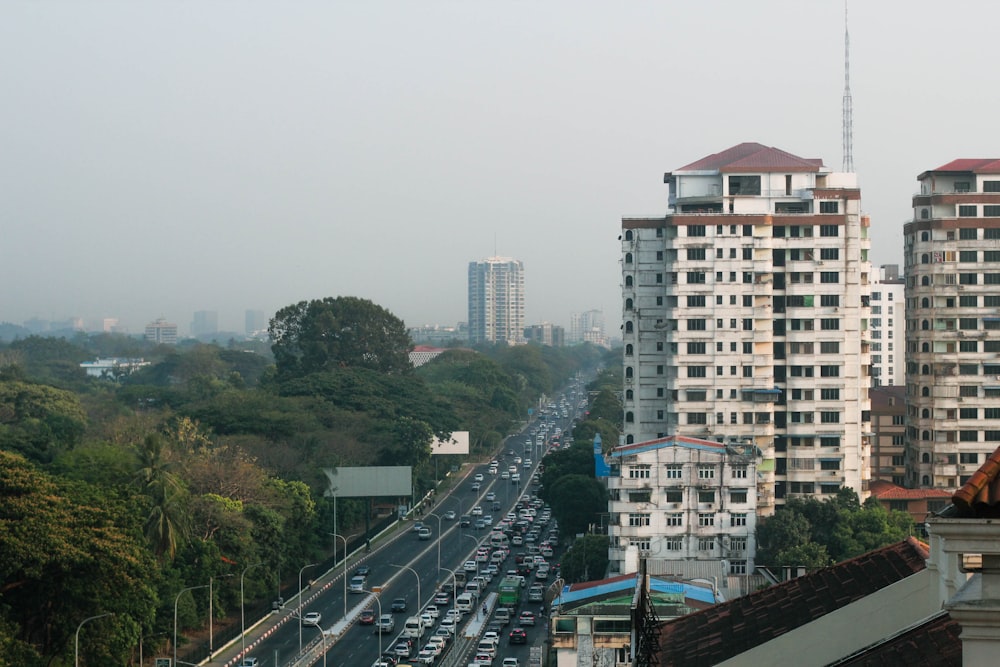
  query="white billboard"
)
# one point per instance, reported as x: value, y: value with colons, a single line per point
x: 456, y: 443
x: 369, y: 481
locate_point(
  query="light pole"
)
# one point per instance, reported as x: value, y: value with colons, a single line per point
x: 243, y: 623
x: 407, y: 567
x: 211, y: 634
x: 304, y: 568
x: 345, y: 566
x: 176, y: 600
x: 379, y: 603
x: 76, y: 654
x: 322, y: 636
x: 439, y: 538
x: 454, y: 586
x: 141, y: 638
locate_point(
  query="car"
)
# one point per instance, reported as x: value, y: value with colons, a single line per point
x: 518, y: 636
x: 432, y: 610
x: 418, y: 526
x: 442, y: 598
x: 424, y: 534
x: 448, y: 624
x: 386, y: 624
x: 312, y: 618
x: 450, y: 515
x: 434, y: 647
x: 470, y: 566
x: 387, y: 660
x: 526, y: 618
x: 480, y: 524
x: 491, y: 496
x: 441, y: 633
x: 483, y: 659
x: 466, y: 520
x: 505, y: 475
x: 362, y: 571
x: 249, y: 662
x: 476, y: 486
x: 398, y: 605
x: 367, y: 617
x: 426, y: 657
x: 510, y: 662
x: 477, y: 510
x: 402, y: 649
x: 454, y: 614
x: 478, y: 477
x: 426, y: 620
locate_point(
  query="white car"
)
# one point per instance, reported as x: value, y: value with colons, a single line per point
x: 312, y: 618
x: 432, y: 610
x: 477, y: 510
x: 478, y: 477
x: 426, y: 620
x: 450, y: 515
x: 510, y: 662
x: 505, y: 475
x: 470, y: 566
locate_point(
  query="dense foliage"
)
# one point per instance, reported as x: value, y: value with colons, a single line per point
x: 814, y: 533
x: 117, y: 493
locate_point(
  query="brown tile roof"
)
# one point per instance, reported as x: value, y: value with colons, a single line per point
x: 978, y: 166
x: 934, y: 643
x: 884, y: 490
x: 752, y: 156
x: 980, y: 496
x: 726, y: 630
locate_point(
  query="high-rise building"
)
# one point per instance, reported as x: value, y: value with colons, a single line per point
x: 745, y: 312
x: 496, y: 301
x: 888, y: 324
x: 256, y: 323
x: 545, y: 333
x: 205, y: 323
x: 161, y: 331
x: 952, y: 267
x: 588, y: 327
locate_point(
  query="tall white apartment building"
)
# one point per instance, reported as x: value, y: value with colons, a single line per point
x: 496, y: 301
x: 888, y: 325
x: 682, y: 499
x: 952, y: 266
x: 161, y: 331
x: 745, y: 318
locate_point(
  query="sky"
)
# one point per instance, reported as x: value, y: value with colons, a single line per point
x: 160, y: 158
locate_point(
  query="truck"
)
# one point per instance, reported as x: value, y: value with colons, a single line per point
x: 510, y: 592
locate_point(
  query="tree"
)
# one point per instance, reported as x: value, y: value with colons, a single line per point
x: 585, y: 560
x: 576, y: 502
x: 39, y: 421
x: 334, y: 332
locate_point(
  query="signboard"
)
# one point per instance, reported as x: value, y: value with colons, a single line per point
x: 163, y: 662
x: 369, y: 481
x: 456, y: 443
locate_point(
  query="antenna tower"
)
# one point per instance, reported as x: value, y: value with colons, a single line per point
x: 848, y: 117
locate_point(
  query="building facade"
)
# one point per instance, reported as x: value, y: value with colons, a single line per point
x: 745, y: 317
x: 205, y: 323
x: 545, y: 333
x: 888, y: 325
x: 496, y: 301
x: 682, y: 499
x: 588, y: 327
x: 952, y: 255
x: 162, y: 332
x: 888, y: 439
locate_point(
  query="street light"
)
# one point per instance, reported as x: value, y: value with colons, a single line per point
x: 243, y: 623
x: 345, y: 567
x: 454, y: 586
x: 439, y: 538
x: 76, y: 655
x: 379, y: 627
x: 322, y: 635
x: 176, y: 600
x: 304, y: 568
x: 141, y: 638
x: 407, y: 567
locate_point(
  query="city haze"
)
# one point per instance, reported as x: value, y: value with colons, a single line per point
x: 159, y: 158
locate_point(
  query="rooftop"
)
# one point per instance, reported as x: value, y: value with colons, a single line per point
x: 668, y: 441
x: 884, y: 490
x: 753, y: 157
x: 980, y: 496
x: 964, y: 165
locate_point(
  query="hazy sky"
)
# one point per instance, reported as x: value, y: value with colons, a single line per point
x: 158, y: 158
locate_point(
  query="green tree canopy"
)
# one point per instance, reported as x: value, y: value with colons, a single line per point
x: 334, y: 332
x: 585, y: 560
x: 577, y: 501
x: 39, y: 421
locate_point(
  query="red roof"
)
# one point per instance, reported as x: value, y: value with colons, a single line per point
x: 975, y: 165
x: 726, y: 630
x: 884, y: 490
x: 980, y: 496
x: 751, y: 157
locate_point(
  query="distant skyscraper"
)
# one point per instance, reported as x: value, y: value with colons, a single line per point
x: 888, y: 324
x: 205, y: 323
x: 588, y: 327
x: 496, y: 301
x: 256, y: 322
x: 161, y: 331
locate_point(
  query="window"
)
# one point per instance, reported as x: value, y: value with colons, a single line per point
x: 672, y: 544
x: 968, y: 256
x: 991, y: 255
x: 706, y: 472
x: 992, y: 234
x: 706, y: 519
x: 968, y: 413
x: 829, y: 417
x: 739, y: 472
x: 829, y: 347
x: 967, y: 234
x: 696, y: 347
x: 829, y: 207
x: 829, y: 230
x: 696, y: 301
x: 829, y: 253
x: 706, y: 497
x: 829, y: 394
x: 697, y: 418
x: 829, y: 277
x: 696, y: 277
x: 675, y: 519
x: 967, y: 211
x: 744, y: 185
x: 674, y: 496
x: 636, y: 519
x: 738, y: 496
x: 696, y: 230
x: 829, y: 464
x: 674, y: 470
x: 829, y: 371
x: 738, y: 519
x: 638, y: 472
x: 991, y: 211
x: 696, y: 371
x: 695, y: 253
x: 696, y: 324
x: 968, y: 458
x: 829, y: 324
x: 969, y: 278
x: 706, y: 544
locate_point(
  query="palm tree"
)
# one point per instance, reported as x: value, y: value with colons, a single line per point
x: 165, y: 525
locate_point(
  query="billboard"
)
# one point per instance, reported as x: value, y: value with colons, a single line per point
x: 456, y: 443
x: 369, y: 481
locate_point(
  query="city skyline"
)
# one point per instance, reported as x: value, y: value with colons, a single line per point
x: 209, y: 159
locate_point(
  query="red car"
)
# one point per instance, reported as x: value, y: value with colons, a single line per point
x: 368, y: 617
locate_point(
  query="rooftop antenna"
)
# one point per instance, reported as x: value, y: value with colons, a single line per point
x: 848, y: 119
